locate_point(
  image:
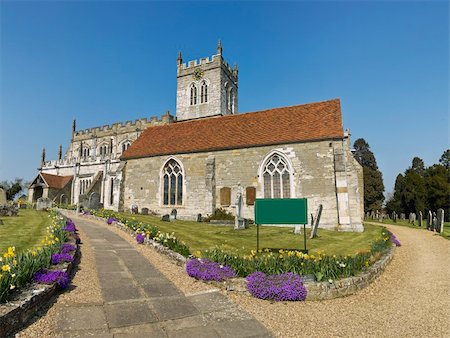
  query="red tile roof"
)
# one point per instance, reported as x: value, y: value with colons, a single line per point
x: 55, y: 181
x: 306, y: 122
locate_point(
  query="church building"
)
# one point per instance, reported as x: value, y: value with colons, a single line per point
x: 209, y: 154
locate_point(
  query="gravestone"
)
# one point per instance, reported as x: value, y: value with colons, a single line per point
x: 394, y: 217
x: 43, y: 203
x: 402, y: 216
x: 94, y: 201
x: 297, y: 229
x: 434, y: 222
x: 134, y: 209
x: 420, y: 218
x: 440, y: 220
x: 199, y: 218
x: 429, y: 220
x: 144, y: 211
x: 165, y: 218
x: 2, y: 196
x: 372, y: 214
x: 381, y: 217
x: 317, y: 220
x: 173, y: 214
x: 239, y: 222
x: 377, y: 214
x: 412, y: 218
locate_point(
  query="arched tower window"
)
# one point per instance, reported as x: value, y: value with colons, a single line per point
x: 204, y: 92
x: 193, y: 94
x: 231, y: 101
x: 276, y: 177
x: 125, y: 146
x: 226, y: 96
x: 172, y: 177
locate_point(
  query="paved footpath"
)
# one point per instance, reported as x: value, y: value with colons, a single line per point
x: 139, y: 301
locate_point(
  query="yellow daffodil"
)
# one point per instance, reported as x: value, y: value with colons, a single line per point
x: 6, y: 268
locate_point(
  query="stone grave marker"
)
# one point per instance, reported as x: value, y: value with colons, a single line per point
x: 429, y: 220
x: 317, y: 220
x: 43, y: 203
x: 434, y: 222
x: 144, y: 211
x: 165, y: 218
x: 239, y: 222
x: 440, y: 220
x: 412, y: 218
x: 394, y: 217
x: 372, y: 214
x: 94, y: 201
x: 199, y: 218
x: 134, y: 209
x: 402, y: 216
x: 173, y: 214
x: 2, y: 196
x: 420, y: 218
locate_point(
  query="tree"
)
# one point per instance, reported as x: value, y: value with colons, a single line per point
x: 12, y: 188
x: 438, y: 188
x: 418, y: 166
x: 445, y: 159
x: 373, y: 179
x: 396, y: 202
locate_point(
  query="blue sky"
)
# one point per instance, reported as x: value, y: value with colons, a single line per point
x: 103, y: 62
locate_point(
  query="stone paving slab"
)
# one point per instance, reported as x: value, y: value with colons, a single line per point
x: 129, y: 314
x: 139, y: 301
x: 81, y: 317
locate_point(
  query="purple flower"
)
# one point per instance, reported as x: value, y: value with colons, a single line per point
x: 49, y: 277
x: 62, y: 257
x: 66, y: 248
x: 395, y: 240
x: 205, y: 269
x: 284, y: 287
x: 70, y: 226
x: 111, y: 220
x: 140, y: 238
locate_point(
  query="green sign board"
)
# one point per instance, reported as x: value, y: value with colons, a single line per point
x: 281, y: 211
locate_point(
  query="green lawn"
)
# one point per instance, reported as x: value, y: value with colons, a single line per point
x: 201, y: 236
x: 23, y: 231
x: 445, y: 234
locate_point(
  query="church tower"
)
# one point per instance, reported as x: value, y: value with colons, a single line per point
x: 206, y: 87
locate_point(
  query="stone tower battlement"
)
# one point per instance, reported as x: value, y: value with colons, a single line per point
x: 206, y: 87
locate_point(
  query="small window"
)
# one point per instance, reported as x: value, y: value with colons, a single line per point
x: 204, y: 93
x: 125, y: 146
x: 193, y: 94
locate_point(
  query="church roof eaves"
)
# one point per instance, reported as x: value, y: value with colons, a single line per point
x: 285, y: 125
x: 56, y: 181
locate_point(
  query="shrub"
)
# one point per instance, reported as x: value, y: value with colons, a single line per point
x: 284, y: 287
x: 207, y: 270
x: 220, y: 214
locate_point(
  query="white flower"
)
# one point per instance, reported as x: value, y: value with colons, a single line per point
x: 13, y: 275
x: 11, y: 287
x: 342, y: 265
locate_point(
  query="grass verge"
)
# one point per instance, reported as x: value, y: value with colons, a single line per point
x: 445, y: 233
x: 24, y: 230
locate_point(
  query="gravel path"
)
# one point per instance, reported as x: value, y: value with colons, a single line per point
x: 410, y: 299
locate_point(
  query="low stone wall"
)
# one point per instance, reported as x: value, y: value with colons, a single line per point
x: 316, y: 290
x: 23, y: 306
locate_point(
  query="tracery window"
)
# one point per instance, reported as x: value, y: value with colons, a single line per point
x: 204, y: 93
x: 104, y: 150
x: 276, y: 178
x: 193, y: 94
x: 86, y: 152
x: 172, y: 183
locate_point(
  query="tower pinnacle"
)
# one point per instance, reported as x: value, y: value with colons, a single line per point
x: 219, y: 47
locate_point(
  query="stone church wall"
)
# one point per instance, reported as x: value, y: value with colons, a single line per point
x: 313, y: 178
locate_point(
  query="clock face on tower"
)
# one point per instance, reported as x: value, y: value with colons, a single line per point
x: 198, y: 74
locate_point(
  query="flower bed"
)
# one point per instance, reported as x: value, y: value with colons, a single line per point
x: 31, y: 278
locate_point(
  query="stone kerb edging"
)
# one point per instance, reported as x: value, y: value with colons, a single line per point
x: 316, y: 290
x: 17, y: 312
